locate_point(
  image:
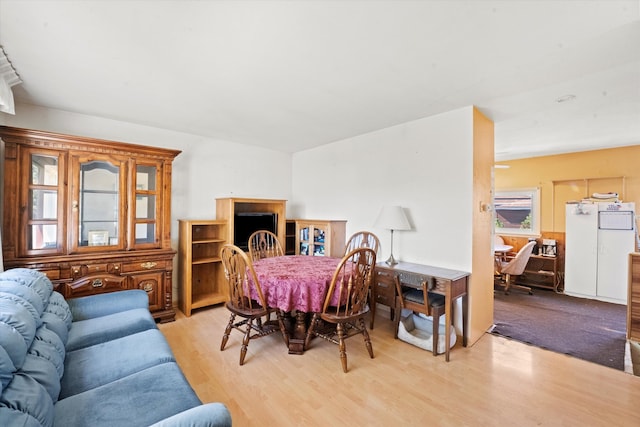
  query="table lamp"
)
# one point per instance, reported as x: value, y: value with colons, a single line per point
x: 392, y: 218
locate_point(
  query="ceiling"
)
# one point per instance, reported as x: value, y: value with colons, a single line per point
x: 294, y: 75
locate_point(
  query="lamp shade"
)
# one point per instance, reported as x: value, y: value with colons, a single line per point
x: 392, y: 218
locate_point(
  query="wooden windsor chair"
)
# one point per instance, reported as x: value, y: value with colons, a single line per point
x: 250, y: 306
x: 345, y: 305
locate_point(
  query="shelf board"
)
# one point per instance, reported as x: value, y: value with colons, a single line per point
x: 541, y: 272
x: 209, y: 260
x: 196, y: 242
x: 205, y: 300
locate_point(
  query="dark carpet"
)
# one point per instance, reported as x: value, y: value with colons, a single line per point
x: 584, y: 328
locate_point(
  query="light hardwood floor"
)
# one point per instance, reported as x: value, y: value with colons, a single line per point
x: 496, y: 382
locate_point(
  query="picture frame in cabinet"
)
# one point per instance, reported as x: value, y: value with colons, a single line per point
x: 98, y: 238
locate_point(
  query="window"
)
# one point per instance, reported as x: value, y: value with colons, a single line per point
x: 517, y: 211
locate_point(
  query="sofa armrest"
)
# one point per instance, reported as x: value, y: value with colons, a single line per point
x: 207, y: 415
x: 99, y: 305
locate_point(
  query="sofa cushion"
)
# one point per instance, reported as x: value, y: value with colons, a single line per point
x: 87, y: 368
x: 7, y: 369
x: 25, y: 292
x: 44, y: 372
x: 33, y: 279
x: 49, y: 346
x: 100, y: 305
x: 14, y: 417
x: 13, y: 344
x: 17, y: 329
x: 58, y: 306
x: 57, y: 325
x: 207, y: 415
x: 24, y: 394
x: 140, y: 399
x: 97, y: 330
x: 18, y: 300
x: 45, y: 361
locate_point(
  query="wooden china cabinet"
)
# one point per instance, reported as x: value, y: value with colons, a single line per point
x: 93, y: 215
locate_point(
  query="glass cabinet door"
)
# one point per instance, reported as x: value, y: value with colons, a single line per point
x: 146, y: 209
x: 318, y: 241
x: 311, y: 240
x: 44, y: 202
x: 304, y: 241
x: 97, y: 206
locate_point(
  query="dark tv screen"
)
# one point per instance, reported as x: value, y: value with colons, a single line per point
x: 246, y: 223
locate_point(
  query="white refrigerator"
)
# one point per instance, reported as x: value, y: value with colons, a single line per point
x: 598, y: 240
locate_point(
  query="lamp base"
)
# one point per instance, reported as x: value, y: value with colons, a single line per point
x: 391, y: 260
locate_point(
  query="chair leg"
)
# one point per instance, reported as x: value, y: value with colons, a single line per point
x: 507, y: 284
x: 512, y: 285
x: 342, y: 346
x: 245, y: 342
x: 227, y: 331
x: 367, y: 339
x: 436, y: 331
x: 523, y: 288
x: 372, y: 304
x: 396, y: 321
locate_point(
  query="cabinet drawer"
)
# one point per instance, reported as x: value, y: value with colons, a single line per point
x: 437, y: 285
x: 385, y: 294
x: 440, y: 286
x: 52, y: 274
x: 142, y: 266
x: 95, y: 284
x: 81, y: 270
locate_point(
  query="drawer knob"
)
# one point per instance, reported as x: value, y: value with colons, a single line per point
x: 97, y: 283
x: 148, y: 265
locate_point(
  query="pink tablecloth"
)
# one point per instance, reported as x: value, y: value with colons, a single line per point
x: 295, y: 282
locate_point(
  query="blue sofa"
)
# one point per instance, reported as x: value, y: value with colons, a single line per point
x: 92, y: 361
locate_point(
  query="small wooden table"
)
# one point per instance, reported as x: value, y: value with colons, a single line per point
x: 502, y: 249
x: 296, y: 283
x: 452, y: 284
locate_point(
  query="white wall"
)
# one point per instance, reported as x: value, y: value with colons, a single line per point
x: 426, y: 166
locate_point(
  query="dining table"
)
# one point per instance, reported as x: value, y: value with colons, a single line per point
x: 296, y: 284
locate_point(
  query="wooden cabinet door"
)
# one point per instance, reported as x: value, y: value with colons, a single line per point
x: 98, y: 203
x: 145, y: 213
x: 41, y: 206
x: 152, y: 284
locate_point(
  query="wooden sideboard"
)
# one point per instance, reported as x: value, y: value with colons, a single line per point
x: 93, y: 215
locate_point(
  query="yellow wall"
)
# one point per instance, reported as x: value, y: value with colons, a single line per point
x: 573, y: 176
x: 481, y: 282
